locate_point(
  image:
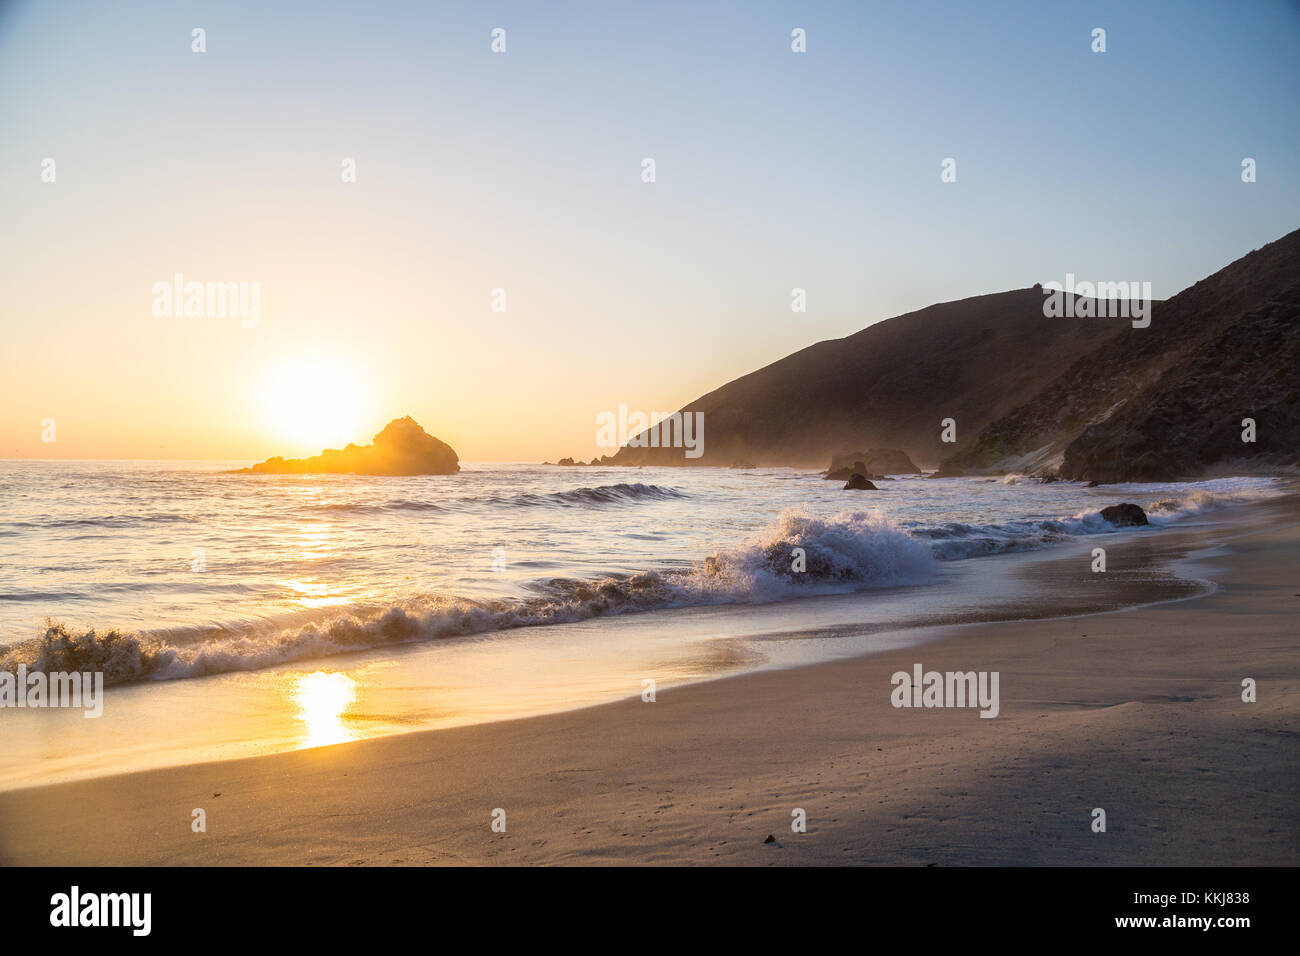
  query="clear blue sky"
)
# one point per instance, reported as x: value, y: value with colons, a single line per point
x: 775, y: 170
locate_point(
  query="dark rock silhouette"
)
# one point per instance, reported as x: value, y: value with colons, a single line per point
x: 1125, y: 515
x: 1081, y: 398
x: 858, y: 482
x: 889, y: 386
x: 847, y: 472
x: 402, y: 448
x: 876, y: 463
x: 1167, y: 401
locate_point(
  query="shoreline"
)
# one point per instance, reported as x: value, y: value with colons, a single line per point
x: 515, y: 673
x: 1135, y: 710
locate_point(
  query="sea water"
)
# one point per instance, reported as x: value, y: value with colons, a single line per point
x: 235, y: 614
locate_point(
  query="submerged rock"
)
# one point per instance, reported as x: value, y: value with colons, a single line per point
x: 1125, y: 515
x: 402, y: 448
x: 858, y: 482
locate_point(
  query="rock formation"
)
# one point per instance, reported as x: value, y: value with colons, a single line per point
x: 876, y: 463
x: 402, y: 448
x: 1125, y: 515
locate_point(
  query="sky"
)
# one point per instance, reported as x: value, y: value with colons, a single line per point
x: 522, y: 171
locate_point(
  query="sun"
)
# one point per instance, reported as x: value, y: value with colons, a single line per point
x: 316, y: 402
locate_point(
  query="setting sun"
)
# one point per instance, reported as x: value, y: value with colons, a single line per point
x: 316, y: 402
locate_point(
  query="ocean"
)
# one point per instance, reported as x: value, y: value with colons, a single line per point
x: 505, y: 589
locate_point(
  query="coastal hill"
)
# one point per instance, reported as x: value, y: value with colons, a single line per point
x: 890, y: 385
x: 1168, y: 401
x: 402, y: 448
x: 1085, y: 398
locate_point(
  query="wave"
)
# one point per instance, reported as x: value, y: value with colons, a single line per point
x: 600, y: 495
x: 107, y: 521
x: 796, y: 555
x: 376, y: 509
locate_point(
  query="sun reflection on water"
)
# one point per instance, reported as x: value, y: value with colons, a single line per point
x: 317, y: 594
x: 322, y: 700
x: 315, y: 541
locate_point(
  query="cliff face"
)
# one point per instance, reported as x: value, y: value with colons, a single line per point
x: 1168, y: 401
x: 890, y: 385
x: 402, y: 448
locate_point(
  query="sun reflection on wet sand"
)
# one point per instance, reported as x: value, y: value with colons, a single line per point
x: 322, y: 699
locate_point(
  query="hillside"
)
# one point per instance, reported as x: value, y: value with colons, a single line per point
x: 1088, y: 398
x: 890, y: 385
x: 1167, y: 401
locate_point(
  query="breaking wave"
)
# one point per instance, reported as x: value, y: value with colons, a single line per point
x: 797, y: 555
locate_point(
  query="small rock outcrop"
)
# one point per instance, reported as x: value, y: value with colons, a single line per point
x: 402, y: 448
x: 1125, y: 515
x: 844, y: 474
x: 877, y: 462
x: 858, y: 482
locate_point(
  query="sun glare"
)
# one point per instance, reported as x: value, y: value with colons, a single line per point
x: 316, y: 402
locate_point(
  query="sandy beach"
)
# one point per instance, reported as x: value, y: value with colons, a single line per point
x: 1138, y: 712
